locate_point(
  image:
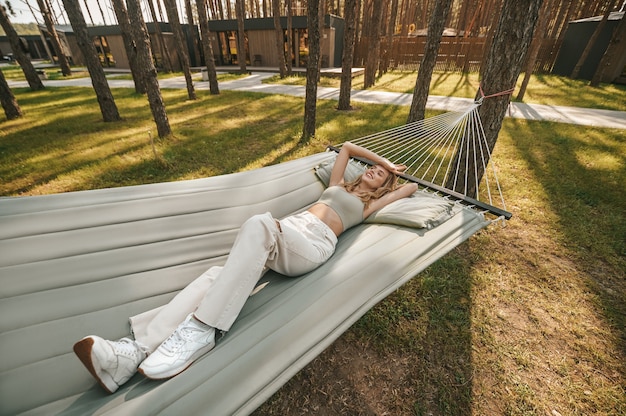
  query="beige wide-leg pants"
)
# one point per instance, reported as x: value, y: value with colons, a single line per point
x: 294, y: 246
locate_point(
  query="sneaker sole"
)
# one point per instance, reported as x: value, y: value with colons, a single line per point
x: 177, y: 370
x: 83, y: 349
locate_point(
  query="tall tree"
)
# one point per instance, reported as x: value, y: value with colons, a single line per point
x: 165, y: 53
x: 437, y: 22
x: 229, y: 10
x: 349, y: 39
x: 108, y: 108
x: 592, y: 40
x: 280, y: 39
x: 64, y: 63
x: 373, y: 58
x: 34, y: 82
x: 289, y: 36
x: 240, y: 10
x: 129, y: 44
x: 105, y: 56
x: 207, y: 47
x: 489, y: 19
x: 9, y: 103
x: 391, y: 29
x: 179, y: 38
x: 194, y: 30
x: 312, y: 70
x: 148, y: 71
x: 567, y: 12
x: 535, y: 45
x: 612, y: 52
x: 499, y: 73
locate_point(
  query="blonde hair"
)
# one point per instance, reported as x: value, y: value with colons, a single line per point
x: 389, y: 185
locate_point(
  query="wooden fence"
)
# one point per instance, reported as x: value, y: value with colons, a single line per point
x: 455, y: 53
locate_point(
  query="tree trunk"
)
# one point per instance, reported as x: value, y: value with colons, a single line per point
x: 165, y: 53
x: 194, y: 34
x: 499, y: 73
x: 563, y: 20
x: 207, y: 47
x: 592, y: 40
x: 129, y: 44
x: 34, y: 82
x: 289, y: 37
x: 241, y: 40
x: 391, y: 29
x: 98, y: 79
x: 148, y: 71
x: 612, y: 52
x: 404, y: 18
x: 280, y: 39
x: 488, y: 19
x: 229, y: 10
x: 348, y: 55
x: 321, y: 12
x: 9, y: 103
x: 460, y: 25
x: 535, y: 46
x: 373, y: 57
x: 438, y: 18
x: 359, y: 30
x: 181, y: 45
x: 312, y: 70
x: 54, y: 37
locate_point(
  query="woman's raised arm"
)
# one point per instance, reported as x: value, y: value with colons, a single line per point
x: 349, y: 150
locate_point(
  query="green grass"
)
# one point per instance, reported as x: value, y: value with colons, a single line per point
x: 64, y: 145
x: 542, y: 89
x: 524, y: 319
x: 15, y: 73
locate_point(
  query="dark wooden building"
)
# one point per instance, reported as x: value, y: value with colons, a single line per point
x: 260, y: 43
x: 577, y: 36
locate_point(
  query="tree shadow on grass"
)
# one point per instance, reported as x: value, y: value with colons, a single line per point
x: 582, y: 173
x: 409, y: 355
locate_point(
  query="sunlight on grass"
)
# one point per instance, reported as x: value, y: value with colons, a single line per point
x: 522, y: 319
x: 600, y: 160
x: 542, y: 89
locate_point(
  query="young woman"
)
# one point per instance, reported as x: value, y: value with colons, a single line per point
x: 168, y: 339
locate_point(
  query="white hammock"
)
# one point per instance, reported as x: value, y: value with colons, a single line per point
x: 428, y: 147
x: 82, y: 262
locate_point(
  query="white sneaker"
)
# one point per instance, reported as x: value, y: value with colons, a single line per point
x: 112, y: 363
x: 190, y: 340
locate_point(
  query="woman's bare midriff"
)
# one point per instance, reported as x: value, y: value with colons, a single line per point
x: 328, y: 217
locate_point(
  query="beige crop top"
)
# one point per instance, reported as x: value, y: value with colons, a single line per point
x: 349, y: 207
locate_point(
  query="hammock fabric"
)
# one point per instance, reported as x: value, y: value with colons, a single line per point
x: 82, y: 262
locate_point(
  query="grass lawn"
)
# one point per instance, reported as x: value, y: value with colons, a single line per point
x: 542, y: 89
x: 523, y: 319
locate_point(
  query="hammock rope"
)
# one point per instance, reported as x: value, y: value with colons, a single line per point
x: 430, y: 148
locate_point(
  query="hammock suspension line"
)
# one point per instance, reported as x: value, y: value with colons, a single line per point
x: 430, y: 149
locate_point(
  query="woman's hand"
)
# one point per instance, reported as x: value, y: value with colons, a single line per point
x: 392, y: 167
x: 399, y: 169
x: 349, y: 150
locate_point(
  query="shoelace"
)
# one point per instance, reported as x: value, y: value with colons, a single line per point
x: 179, y: 336
x: 126, y: 347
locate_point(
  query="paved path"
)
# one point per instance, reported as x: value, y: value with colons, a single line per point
x: 253, y: 83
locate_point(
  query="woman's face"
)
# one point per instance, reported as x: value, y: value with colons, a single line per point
x: 375, y: 177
